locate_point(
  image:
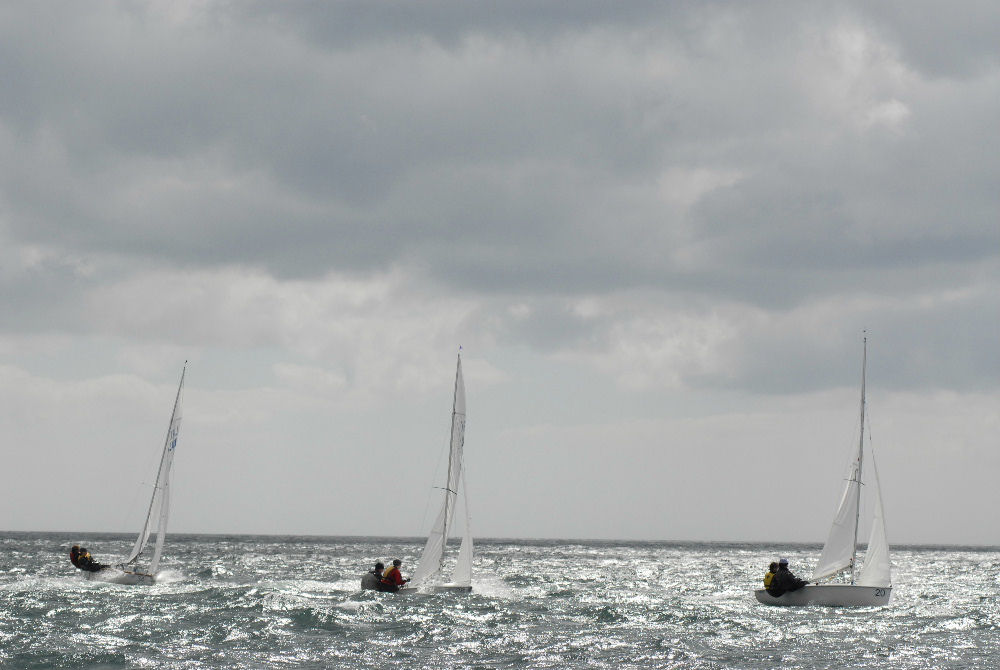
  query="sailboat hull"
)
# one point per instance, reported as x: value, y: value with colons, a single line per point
x: 830, y: 595
x: 438, y: 588
x: 116, y: 576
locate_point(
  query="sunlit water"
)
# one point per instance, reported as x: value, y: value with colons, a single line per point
x: 251, y: 602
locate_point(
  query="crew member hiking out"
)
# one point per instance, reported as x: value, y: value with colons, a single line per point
x: 81, y: 558
x: 784, y: 581
x: 769, y: 575
x: 393, y: 578
x: 372, y: 580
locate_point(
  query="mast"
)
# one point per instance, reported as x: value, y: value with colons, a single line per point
x: 140, y: 543
x: 451, y: 447
x: 861, y: 446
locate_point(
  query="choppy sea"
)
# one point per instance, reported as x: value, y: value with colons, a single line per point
x: 294, y: 602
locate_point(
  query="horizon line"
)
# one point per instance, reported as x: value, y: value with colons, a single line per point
x: 498, y: 539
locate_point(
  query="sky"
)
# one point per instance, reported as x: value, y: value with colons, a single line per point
x: 658, y: 232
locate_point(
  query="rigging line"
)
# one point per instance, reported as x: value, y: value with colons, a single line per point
x: 131, y: 508
x: 430, y: 491
x: 437, y: 465
x: 868, y: 425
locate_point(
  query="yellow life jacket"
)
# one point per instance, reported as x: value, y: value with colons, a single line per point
x: 767, y: 579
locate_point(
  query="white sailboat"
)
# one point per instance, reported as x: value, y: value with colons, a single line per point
x: 429, y: 575
x: 872, y: 585
x: 128, y: 571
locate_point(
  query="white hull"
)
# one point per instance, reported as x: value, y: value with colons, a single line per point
x: 116, y: 576
x: 437, y: 588
x: 830, y: 595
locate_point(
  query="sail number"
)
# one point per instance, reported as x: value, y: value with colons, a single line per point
x: 879, y: 593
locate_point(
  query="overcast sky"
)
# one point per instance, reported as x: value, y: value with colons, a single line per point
x: 657, y: 230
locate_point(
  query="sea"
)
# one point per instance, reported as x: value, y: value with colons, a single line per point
x: 295, y: 602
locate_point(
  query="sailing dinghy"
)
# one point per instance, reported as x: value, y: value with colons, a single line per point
x: 128, y: 571
x: 872, y: 586
x: 429, y: 575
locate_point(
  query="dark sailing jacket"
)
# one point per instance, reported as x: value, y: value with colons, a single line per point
x: 784, y: 581
x: 86, y: 562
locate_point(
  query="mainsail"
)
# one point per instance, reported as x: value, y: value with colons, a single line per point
x: 432, y: 559
x: 840, y: 551
x: 159, y: 503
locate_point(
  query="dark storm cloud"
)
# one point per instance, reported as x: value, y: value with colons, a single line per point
x: 767, y: 156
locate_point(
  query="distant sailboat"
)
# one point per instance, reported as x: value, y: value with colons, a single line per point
x: 157, y: 514
x: 873, y: 585
x: 428, y: 575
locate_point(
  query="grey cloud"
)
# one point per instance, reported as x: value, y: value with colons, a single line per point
x: 332, y: 137
x: 512, y: 150
x: 941, y: 40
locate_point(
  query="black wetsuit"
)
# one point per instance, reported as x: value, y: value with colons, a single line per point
x: 784, y: 581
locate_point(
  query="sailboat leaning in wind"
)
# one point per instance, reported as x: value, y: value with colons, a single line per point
x: 429, y: 575
x: 872, y: 586
x: 128, y: 571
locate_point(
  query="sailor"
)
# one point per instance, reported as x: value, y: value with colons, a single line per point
x: 74, y: 555
x: 372, y: 580
x: 769, y: 575
x: 784, y: 581
x: 393, y: 578
x: 86, y: 562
